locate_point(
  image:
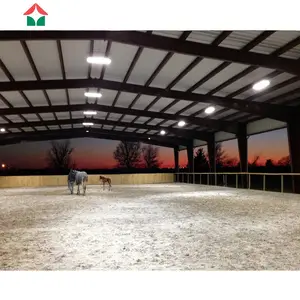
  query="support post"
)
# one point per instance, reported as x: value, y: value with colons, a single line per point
x: 211, y: 149
x: 293, y: 128
x: 190, y: 154
x: 176, y: 159
x: 243, y: 153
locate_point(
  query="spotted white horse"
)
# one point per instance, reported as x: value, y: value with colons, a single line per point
x: 79, y: 178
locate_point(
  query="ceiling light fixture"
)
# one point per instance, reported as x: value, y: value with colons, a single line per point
x: 87, y: 124
x: 90, y: 113
x: 261, y: 85
x: 87, y: 131
x: 92, y: 95
x: 98, y: 60
x: 149, y: 139
x: 162, y: 132
x: 2, y: 129
x: 181, y: 123
x: 209, y: 110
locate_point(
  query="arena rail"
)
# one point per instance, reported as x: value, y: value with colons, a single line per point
x: 61, y: 180
x: 280, y: 182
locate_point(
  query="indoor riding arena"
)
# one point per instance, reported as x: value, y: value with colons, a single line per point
x: 165, y: 226
x: 175, y: 89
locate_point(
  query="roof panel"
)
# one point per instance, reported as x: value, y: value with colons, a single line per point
x: 125, y: 99
x: 2, y: 75
x: 48, y: 68
x: 121, y: 57
x: 197, y: 108
x: 251, y: 78
x: 171, y: 70
x: 168, y: 123
x: 152, y: 132
x: 99, y: 49
x: 119, y: 128
x: 142, y: 120
x: 155, y: 121
x: 15, y: 99
x: 293, y: 53
x: 14, y: 58
x: 66, y: 126
x: 47, y: 116
x: 3, y: 121
x: 31, y: 117
x: 107, y: 127
x: 145, y: 66
x: 62, y: 115
x: 114, y: 117
x: 222, y: 76
x: 2, y: 104
x: 57, y: 97
x: 77, y: 96
x: 130, y: 129
x: 37, y: 98
x: 15, y: 118
x: 161, y: 104
x: 169, y: 33
x: 77, y: 114
x: 141, y: 130
x: 274, y: 81
x: 143, y: 102
x: 78, y: 126
x: 15, y: 130
x: 238, y: 39
x: 75, y: 54
x: 275, y: 41
x: 108, y: 97
x: 100, y: 115
x: 128, y: 118
x: 27, y: 129
x: 178, y: 106
x: 205, y: 37
x: 42, y: 128
x: 197, y: 73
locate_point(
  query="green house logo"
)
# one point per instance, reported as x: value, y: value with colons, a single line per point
x: 35, y: 16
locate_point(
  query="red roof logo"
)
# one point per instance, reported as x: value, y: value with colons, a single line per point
x: 40, y: 21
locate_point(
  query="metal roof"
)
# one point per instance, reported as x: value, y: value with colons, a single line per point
x: 155, y: 79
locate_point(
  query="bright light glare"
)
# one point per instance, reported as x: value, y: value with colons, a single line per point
x: 87, y: 131
x: 162, y: 132
x: 87, y: 124
x: 3, y: 166
x: 181, y: 123
x: 149, y: 139
x: 92, y: 95
x: 209, y: 110
x: 261, y: 85
x: 90, y: 112
x: 2, y: 129
x: 98, y: 60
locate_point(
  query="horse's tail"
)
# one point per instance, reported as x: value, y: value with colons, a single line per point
x: 86, y: 178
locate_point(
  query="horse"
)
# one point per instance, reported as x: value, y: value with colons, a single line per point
x: 79, y: 178
x: 104, y: 180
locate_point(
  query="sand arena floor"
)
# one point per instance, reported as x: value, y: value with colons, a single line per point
x: 149, y: 227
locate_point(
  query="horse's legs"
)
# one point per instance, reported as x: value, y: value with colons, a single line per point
x: 84, y: 187
x: 78, y: 190
x: 103, y: 185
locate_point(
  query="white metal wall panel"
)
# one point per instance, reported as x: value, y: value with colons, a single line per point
x: 125, y: 99
x: 264, y: 125
x: 143, y: 102
x: 178, y: 106
x: 161, y: 104
x: 205, y: 36
x: 239, y: 39
x: 222, y: 136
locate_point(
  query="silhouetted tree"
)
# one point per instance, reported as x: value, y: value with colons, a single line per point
x: 59, y: 155
x: 284, y: 161
x: 220, y: 155
x: 150, y: 156
x: 269, y: 163
x: 254, y: 161
x: 128, y: 154
x: 200, y: 160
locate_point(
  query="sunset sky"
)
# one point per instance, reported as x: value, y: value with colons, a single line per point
x: 92, y: 153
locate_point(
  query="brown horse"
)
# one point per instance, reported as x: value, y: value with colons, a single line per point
x: 105, y: 180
